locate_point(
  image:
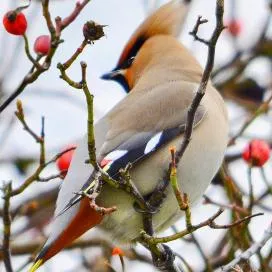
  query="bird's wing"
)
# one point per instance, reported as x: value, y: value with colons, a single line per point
x: 135, y: 134
x: 149, y: 109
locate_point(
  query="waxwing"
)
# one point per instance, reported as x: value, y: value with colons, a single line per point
x: 161, y: 77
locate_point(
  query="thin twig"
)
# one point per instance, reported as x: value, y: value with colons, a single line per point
x: 234, y: 207
x: 268, y: 185
x: 202, y: 253
x: 205, y: 78
x: 256, y: 247
x: 263, y: 108
x: 250, y: 184
x: 34, y: 62
x: 194, y: 32
x: 89, y: 100
x: 63, y: 23
x: 51, y: 177
x: 55, y: 41
x: 70, y: 61
x: 209, y: 222
x: 39, y: 139
x: 21, y: 117
x: 7, y: 223
x: 158, y: 194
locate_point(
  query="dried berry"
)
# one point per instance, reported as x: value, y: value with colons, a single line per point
x: 93, y: 31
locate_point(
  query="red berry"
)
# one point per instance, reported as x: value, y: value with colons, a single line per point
x: 42, y: 45
x: 64, y: 160
x: 117, y: 251
x: 15, y: 23
x: 256, y: 153
x: 234, y: 28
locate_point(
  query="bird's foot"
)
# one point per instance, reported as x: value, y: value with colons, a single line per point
x: 85, y: 194
x: 147, y: 210
x: 103, y: 211
x: 166, y: 263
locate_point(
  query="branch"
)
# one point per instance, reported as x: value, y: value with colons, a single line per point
x: 205, y: 77
x: 47, y: 16
x: 35, y: 63
x: 63, y: 23
x: 156, y: 198
x: 210, y: 222
x: 242, y: 59
x: 32, y: 246
x: 255, y: 248
x: 21, y: 117
x: 264, y: 107
x: 39, y: 139
x: 202, y: 253
x: 194, y: 32
x: 93, y: 32
x: 55, y: 41
x: 7, y: 222
x: 56, y: 157
x: 89, y: 100
x: 234, y: 206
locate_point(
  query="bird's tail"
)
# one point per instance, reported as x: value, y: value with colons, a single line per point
x: 68, y: 227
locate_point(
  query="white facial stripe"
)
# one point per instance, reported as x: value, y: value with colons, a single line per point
x: 152, y: 143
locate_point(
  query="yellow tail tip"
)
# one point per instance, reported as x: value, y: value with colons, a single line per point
x: 36, y: 265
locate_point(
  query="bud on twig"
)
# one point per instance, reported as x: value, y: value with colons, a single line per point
x: 20, y: 112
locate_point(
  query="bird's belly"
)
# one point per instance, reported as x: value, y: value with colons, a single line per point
x: 199, y: 164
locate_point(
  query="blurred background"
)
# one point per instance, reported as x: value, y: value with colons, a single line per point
x: 242, y: 73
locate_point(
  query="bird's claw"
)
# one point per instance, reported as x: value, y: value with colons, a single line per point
x: 84, y: 194
x: 149, y: 209
x: 168, y: 259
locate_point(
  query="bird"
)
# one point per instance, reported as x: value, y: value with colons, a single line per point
x: 161, y: 78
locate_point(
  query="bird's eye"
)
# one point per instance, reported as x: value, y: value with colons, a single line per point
x: 130, y: 61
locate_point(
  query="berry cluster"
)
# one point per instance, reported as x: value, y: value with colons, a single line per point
x: 15, y: 23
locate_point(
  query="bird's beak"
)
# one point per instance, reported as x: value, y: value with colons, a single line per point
x: 112, y: 75
x: 117, y: 75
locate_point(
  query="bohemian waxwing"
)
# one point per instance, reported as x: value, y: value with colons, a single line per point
x: 161, y: 78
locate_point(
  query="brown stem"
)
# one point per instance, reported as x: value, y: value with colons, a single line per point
x: 7, y: 222
x: 55, y: 41
x: 205, y: 77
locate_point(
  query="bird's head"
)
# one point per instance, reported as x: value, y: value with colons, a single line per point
x: 167, y: 20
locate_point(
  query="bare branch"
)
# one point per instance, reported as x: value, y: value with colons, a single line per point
x: 205, y: 77
x: 7, y: 222
x: 255, y: 248
x: 34, y: 74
